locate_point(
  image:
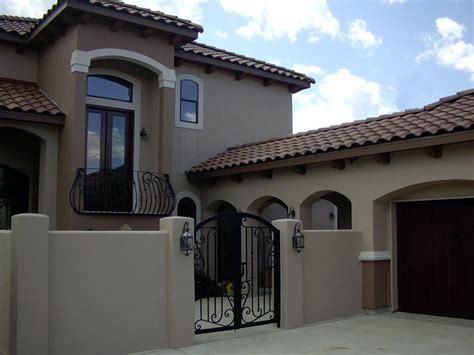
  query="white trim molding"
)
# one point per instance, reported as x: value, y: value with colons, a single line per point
x: 177, y: 121
x: 81, y: 62
x: 374, y: 255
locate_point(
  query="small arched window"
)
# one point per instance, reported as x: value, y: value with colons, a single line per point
x: 187, y: 208
x: 109, y: 87
x: 189, y: 101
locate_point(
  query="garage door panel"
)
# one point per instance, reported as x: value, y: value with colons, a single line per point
x: 436, y: 257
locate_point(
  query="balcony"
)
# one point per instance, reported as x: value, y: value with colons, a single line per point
x: 122, y: 192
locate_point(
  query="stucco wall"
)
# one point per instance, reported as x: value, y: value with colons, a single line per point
x: 5, y: 259
x: 364, y: 182
x: 235, y: 112
x: 108, y: 292
x: 18, y: 66
x: 332, y: 277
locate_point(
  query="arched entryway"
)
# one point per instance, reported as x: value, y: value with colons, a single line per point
x: 326, y: 210
x: 19, y: 173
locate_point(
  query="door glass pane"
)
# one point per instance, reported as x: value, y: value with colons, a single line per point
x: 118, y: 141
x: 94, y: 130
x: 188, y: 111
x: 189, y: 90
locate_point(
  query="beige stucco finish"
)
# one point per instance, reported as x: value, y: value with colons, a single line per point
x: 18, y: 66
x: 5, y: 261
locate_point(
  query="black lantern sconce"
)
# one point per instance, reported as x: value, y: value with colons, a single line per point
x: 143, y: 132
x: 298, y: 238
x: 186, y: 240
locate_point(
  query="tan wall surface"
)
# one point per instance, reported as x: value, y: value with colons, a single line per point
x: 108, y: 292
x: 18, y: 66
x: 332, y: 275
x: 364, y: 182
x: 5, y: 259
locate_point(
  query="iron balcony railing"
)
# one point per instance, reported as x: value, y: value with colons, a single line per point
x: 122, y: 192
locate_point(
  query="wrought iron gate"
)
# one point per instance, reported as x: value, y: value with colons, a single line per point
x: 237, y: 272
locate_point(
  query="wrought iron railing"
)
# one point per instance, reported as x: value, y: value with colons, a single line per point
x: 121, y: 191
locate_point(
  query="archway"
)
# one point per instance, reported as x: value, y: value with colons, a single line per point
x: 269, y: 208
x: 326, y: 210
x: 14, y: 194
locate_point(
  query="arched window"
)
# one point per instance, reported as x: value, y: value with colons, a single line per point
x: 187, y: 208
x: 109, y: 87
x: 189, y: 105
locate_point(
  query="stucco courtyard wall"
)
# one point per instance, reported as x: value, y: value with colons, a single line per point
x: 332, y: 275
x: 94, y: 292
x: 108, y: 292
x: 5, y: 258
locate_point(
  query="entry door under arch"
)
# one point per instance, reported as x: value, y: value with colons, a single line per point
x: 14, y: 194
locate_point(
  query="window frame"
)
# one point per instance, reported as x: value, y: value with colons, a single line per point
x: 105, y: 76
x: 199, y: 125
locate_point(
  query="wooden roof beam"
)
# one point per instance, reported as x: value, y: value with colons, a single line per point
x: 117, y: 25
x: 146, y: 32
x: 301, y: 169
x: 240, y: 75
x: 175, y: 40
x: 435, y: 151
x: 237, y: 178
x: 267, y: 174
x: 339, y: 164
x: 382, y: 158
x: 210, y: 69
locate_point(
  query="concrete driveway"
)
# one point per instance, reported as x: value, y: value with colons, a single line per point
x: 389, y: 333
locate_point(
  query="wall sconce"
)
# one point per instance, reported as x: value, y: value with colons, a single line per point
x: 291, y: 213
x: 186, y: 240
x: 143, y: 132
x: 298, y: 238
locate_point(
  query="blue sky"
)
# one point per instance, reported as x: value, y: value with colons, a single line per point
x: 368, y: 57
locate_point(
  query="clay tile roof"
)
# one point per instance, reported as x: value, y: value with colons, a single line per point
x: 204, y: 50
x: 23, y: 25
x: 17, y: 25
x: 23, y: 96
x: 451, y: 114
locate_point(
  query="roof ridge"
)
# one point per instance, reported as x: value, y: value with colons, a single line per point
x: 428, y: 107
x: 132, y: 6
x: 248, y: 57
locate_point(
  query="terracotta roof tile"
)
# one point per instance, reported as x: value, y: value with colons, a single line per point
x: 23, y: 25
x: 454, y: 113
x: 26, y: 97
x: 17, y: 25
x: 208, y: 51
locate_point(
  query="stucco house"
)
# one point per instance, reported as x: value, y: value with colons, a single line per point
x: 114, y: 116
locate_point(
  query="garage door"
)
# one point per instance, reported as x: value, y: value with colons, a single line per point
x: 436, y: 257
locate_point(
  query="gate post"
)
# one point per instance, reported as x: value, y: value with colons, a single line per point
x: 291, y: 275
x: 180, y: 284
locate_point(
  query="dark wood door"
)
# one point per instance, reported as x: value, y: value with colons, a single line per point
x: 436, y: 257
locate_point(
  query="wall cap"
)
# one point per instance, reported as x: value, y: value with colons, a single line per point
x: 374, y: 255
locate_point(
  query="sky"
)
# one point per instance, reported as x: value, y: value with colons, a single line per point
x: 368, y: 57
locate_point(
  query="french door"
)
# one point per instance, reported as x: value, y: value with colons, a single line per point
x: 109, y: 134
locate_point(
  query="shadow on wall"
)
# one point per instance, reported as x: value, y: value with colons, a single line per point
x: 326, y: 210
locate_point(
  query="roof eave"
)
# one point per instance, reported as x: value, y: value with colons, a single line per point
x: 10, y: 37
x: 362, y: 151
x: 55, y: 120
x: 199, y: 59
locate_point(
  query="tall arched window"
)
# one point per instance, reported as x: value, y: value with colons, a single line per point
x: 189, y: 102
x: 189, y: 106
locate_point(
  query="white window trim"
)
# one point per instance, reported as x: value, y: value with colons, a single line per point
x: 183, y: 194
x: 177, y: 121
x: 135, y: 106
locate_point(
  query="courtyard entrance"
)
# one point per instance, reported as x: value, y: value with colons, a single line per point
x: 237, y: 272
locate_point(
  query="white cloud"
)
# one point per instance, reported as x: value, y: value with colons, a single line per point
x: 448, y: 47
x: 393, y: 2
x: 273, y: 20
x: 221, y: 34
x: 187, y: 9
x: 360, y: 37
x: 307, y: 69
x: 25, y: 8
x: 313, y: 38
x: 340, y: 97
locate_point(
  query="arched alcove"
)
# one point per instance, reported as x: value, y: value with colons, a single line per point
x: 269, y: 207
x: 326, y: 210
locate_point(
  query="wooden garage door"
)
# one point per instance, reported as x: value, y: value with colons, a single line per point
x: 436, y: 257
